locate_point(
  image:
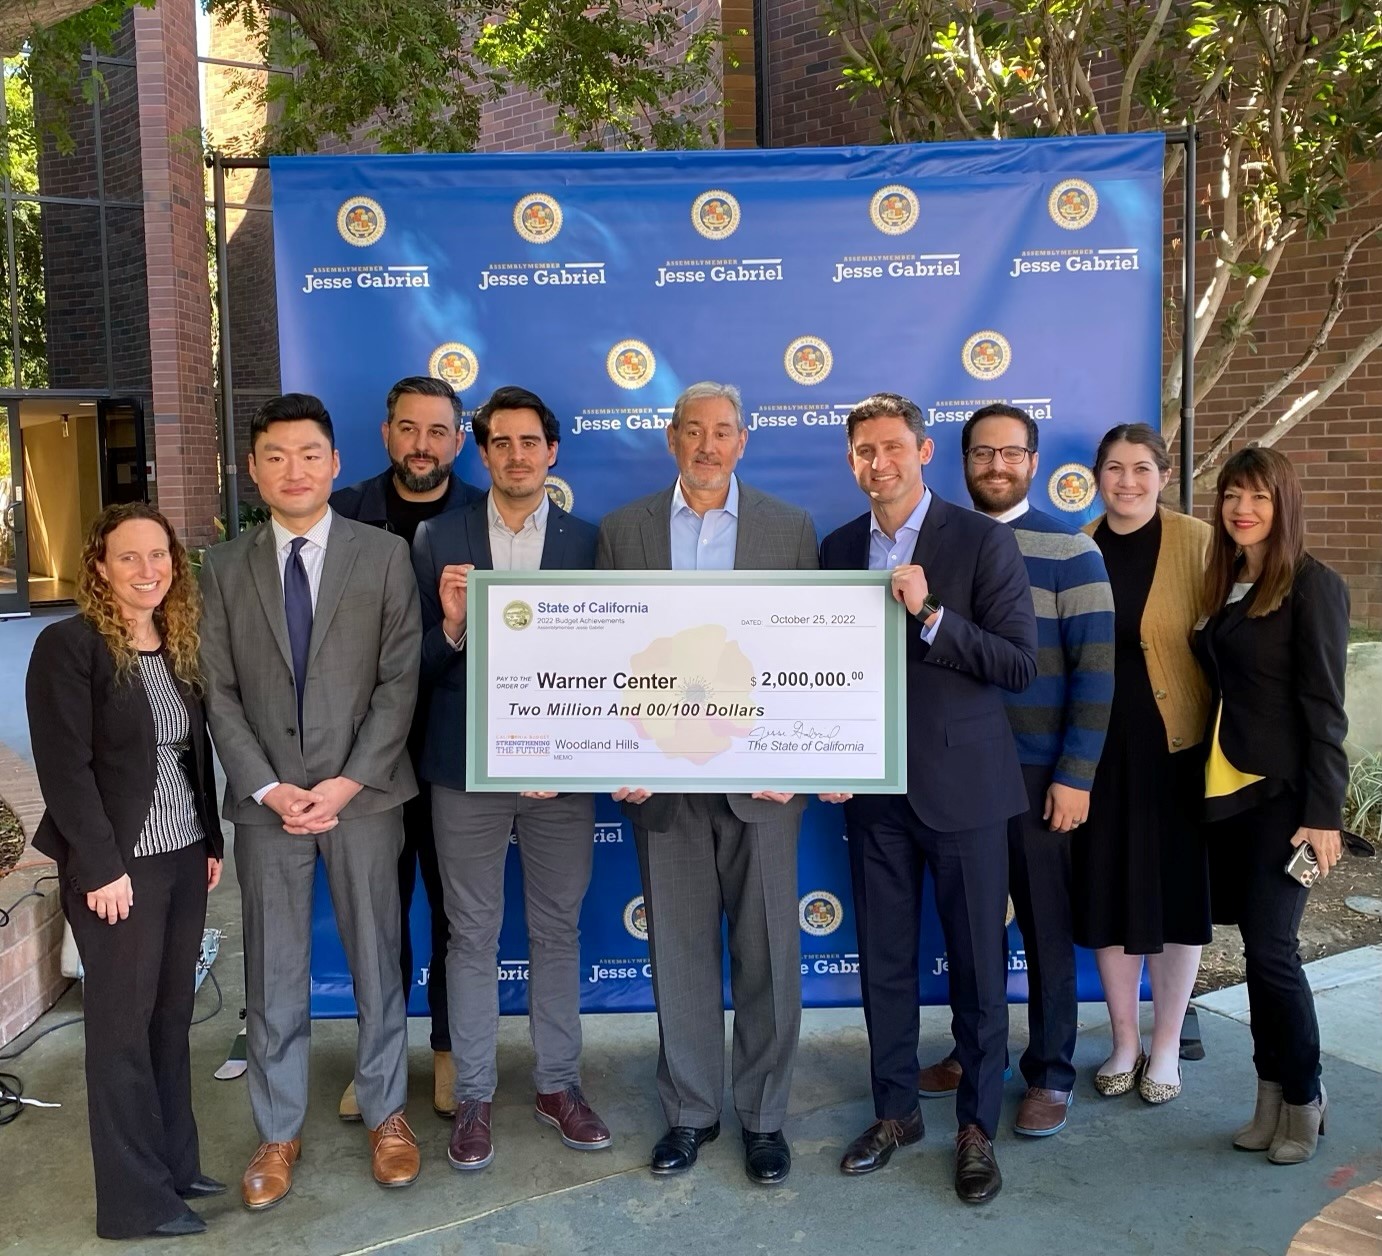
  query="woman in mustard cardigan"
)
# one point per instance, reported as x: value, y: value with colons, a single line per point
x: 1139, y: 870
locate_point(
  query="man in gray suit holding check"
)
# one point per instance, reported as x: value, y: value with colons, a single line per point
x: 704, y: 854
x: 310, y: 644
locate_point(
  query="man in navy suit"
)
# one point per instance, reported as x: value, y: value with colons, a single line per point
x: 971, y: 633
x: 514, y: 527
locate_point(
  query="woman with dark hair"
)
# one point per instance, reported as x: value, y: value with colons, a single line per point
x: 124, y: 761
x: 1273, y: 645
x: 1140, y: 882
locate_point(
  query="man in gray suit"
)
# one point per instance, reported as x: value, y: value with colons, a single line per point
x: 702, y: 855
x: 310, y: 644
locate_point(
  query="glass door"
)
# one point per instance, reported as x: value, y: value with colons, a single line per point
x: 14, y: 542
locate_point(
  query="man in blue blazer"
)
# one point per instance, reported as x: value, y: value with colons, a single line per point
x: 971, y: 634
x: 514, y: 527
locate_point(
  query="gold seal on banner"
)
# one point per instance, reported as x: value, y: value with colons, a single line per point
x: 894, y: 209
x: 630, y: 364
x: 1072, y: 204
x: 715, y: 214
x: 820, y: 913
x: 455, y: 363
x: 518, y: 615
x: 1071, y: 487
x: 986, y: 355
x: 636, y: 918
x: 360, y: 221
x: 537, y: 218
x: 808, y: 360
x: 560, y: 492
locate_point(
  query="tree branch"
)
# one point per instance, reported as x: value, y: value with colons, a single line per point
x: 20, y: 18
x: 1338, y: 297
x: 1139, y: 59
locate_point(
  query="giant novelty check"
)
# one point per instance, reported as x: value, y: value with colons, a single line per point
x: 699, y: 682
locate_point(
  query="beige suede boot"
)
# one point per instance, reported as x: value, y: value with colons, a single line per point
x: 1259, y: 1133
x: 1298, y: 1131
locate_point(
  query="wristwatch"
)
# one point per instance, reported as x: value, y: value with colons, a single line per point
x: 929, y: 607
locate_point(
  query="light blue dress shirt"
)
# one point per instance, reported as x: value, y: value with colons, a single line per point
x: 886, y: 553
x: 705, y: 542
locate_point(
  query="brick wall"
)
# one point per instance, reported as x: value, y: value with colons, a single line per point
x: 175, y: 239
x: 31, y: 979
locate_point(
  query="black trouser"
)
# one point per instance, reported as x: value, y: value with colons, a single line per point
x: 1039, y: 881
x: 420, y: 850
x: 890, y: 851
x: 1249, y: 887
x: 140, y: 976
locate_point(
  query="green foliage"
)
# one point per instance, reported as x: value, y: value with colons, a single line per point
x: 1286, y: 95
x: 20, y: 161
x: 1363, y: 801
x: 415, y: 77
x: 53, y: 72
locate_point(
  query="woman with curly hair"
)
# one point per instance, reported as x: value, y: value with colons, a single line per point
x: 124, y: 760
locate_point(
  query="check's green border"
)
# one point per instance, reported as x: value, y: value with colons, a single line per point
x: 477, y: 775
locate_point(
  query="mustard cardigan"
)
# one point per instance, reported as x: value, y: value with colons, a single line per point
x: 1168, y: 621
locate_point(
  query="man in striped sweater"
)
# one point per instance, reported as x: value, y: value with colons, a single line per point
x: 1059, y: 724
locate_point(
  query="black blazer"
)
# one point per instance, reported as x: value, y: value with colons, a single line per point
x: 95, y: 751
x: 462, y: 536
x: 962, y: 767
x: 368, y: 501
x: 1281, y: 678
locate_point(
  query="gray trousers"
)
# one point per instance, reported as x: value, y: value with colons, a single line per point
x: 556, y: 845
x: 275, y: 870
x: 711, y: 864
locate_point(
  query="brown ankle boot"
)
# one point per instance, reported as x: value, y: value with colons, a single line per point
x: 1258, y: 1134
x: 1298, y: 1131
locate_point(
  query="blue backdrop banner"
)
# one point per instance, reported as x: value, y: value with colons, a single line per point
x: 957, y: 274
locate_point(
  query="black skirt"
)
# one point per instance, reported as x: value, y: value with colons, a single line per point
x: 1140, y: 874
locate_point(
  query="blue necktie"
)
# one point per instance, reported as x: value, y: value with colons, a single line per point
x: 297, y: 607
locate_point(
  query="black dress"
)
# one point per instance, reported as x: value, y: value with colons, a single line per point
x: 1140, y: 875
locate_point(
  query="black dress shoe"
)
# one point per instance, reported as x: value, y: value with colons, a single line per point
x: 676, y: 1149
x: 201, y: 1186
x: 767, y: 1158
x: 977, y: 1179
x: 180, y: 1227
x: 875, y: 1146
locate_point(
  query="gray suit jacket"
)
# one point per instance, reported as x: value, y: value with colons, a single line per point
x: 772, y: 536
x: 362, y: 669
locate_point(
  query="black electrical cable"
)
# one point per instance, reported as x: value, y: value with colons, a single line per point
x: 11, y: 1095
x: 35, y: 892
x: 12, y: 1089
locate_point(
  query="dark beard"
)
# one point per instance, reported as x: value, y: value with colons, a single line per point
x: 425, y: 482
x: 997, y: 497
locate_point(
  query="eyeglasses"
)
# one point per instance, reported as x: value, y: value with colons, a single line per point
x: 1013, y: 455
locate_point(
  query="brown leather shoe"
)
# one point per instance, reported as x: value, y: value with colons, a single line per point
x: 940, y: 1080
x: 470, y: 1146
x: 443, y: 1084
x: 580, y: 1125
x: 393, y: 1153
x: 875, y: 1146
x: 1043, y: 1112
x: 269, y: 1176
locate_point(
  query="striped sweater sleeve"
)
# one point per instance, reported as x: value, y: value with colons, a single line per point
x: 1084, y: 610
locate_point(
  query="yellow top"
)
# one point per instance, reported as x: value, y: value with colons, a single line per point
x: 1221, y: 778
x: 1173, y: 606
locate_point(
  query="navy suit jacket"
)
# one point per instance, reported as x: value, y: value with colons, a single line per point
x: 962, y: 767
x: 462, y: 536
